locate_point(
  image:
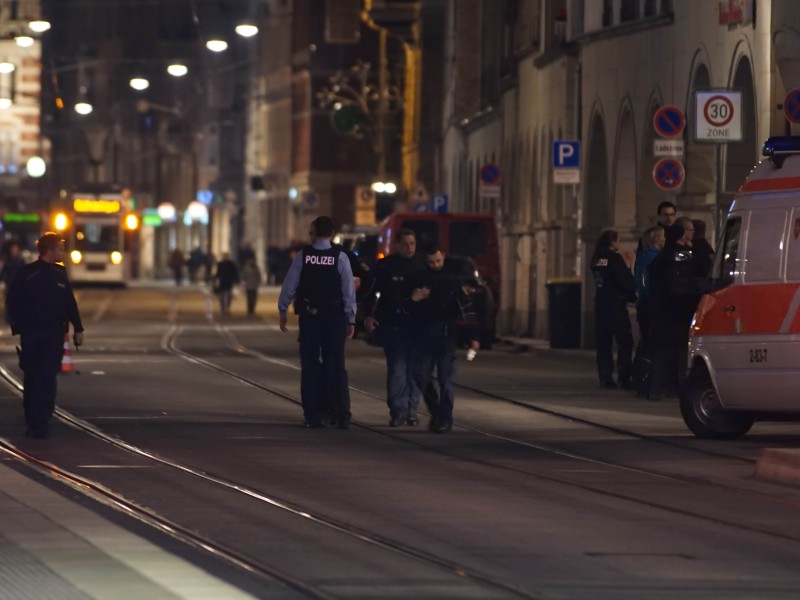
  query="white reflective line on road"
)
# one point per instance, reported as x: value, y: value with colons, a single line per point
x: 115, y: 467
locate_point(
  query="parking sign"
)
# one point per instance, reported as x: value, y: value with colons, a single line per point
x: 566, y: 154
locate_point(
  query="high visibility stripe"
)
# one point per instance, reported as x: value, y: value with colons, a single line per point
x: 770, y: 185
x: 791, y: 313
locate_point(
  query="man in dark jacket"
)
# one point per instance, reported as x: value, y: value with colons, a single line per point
x: 674, y: 299
x: 614, y: 289
x: 436, y: 305
x: 40, y: 305
x: 385, y: 307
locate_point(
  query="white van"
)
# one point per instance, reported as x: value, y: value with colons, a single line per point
x: 744, y: 346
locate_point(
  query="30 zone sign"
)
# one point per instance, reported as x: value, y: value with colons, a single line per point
x: 719, y: 116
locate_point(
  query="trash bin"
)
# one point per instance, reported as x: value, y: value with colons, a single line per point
x: 564, y: 312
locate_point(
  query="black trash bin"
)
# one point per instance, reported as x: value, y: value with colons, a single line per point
x: 564, y: 312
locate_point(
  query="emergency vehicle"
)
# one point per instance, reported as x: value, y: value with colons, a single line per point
x: 744, y: 347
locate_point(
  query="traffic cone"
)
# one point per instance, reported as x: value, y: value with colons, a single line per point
x: 67, y: 366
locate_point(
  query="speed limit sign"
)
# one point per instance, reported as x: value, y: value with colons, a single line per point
x: 718, y: 116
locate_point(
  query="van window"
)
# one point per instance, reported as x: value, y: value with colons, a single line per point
x: 469, y: 238
x: 765, y: 245
x: 427, y: 232
x: 726, y: 259
x: 793, y: 252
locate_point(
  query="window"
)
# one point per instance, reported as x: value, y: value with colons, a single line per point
x: 427, y: 232
x: 628, y: 11
x: 469, y: 238
x: 97, y: 237
x: 725, y: 264
x: 765, y: 245
x: 793, y: 252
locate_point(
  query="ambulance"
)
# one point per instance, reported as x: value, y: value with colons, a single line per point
x: 744, y: 346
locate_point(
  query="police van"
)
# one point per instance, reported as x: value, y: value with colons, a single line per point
x: 744, y: 346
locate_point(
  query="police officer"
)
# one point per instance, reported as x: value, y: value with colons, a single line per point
x: 39, y: 307
x: 321, y: 281
x: 437, y: 303
x: 614, y: 288
x: 385, y: 309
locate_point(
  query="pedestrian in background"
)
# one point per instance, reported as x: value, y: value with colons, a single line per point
x: 251, y: 278
x: 321, y: 281
x: 652, y: 241
x: 385, y: 307
x: 39, y: 307
x: 12, y: 264
x: 436, y: 305
x: 226, y: 276
x: 614, y: 288
x: 176, y: 263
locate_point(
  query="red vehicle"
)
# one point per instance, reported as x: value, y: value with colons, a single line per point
x: 460, y: 235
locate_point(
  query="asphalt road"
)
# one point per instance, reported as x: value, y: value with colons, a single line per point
x: 548, y: 487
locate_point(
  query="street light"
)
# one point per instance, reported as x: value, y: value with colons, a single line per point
x: 246, y: 29
x: 217, y: 45
x: 39, y: 25
x: 6, y: 67
x: 177, y: 70
x: 36, y: 167
x: 24, y: 41
x: 139, y: 83
x: 83, y: 108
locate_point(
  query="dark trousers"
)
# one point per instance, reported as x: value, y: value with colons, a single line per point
x: 252, y: 296
x: 670, y: 341
x: 402, y: 393
x: 40, y: 361
x: 643, y: 358
x: 436, y: 352
x: 323, y: 377
x: 613, y: 324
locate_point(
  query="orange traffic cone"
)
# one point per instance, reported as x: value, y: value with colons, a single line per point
x: 67, y: 366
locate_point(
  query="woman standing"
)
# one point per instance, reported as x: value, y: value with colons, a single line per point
x: 614, y: 288
x: 652, y: 242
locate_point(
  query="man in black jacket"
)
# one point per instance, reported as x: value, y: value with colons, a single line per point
x: 614, y: 289
x: 437, y: 304
x: 385, y: 307
x: 39, y: 307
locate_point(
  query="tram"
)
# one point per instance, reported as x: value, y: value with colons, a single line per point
x: 94, y: 231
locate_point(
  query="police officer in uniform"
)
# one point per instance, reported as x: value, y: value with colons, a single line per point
x: 40, y: 305
x: 614, y: 288
x: 321, y: 281
x: 385, y: 308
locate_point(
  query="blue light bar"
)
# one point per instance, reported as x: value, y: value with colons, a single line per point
x: 781, y: 146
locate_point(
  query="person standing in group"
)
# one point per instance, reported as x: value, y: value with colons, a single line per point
x: 652, y: 241
x: 702, y: 250
x: 666, y: 215
x: 614, y: 288
x: 437, y: 304
x: 11, y: 264
x: 40, y: 305
x: 226, y: 277
x: 674, y: 300
x: 388, y: 318
x: 251, y: 278
x: 321, y: 281
x: 176, y: 263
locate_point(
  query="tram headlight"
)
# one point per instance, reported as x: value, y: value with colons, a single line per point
x: 76, y: 257
x: 116, y: 257
x: 60, y: 222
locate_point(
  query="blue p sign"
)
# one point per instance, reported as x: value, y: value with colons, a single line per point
x: 439, y: 203
x: 566, y: 154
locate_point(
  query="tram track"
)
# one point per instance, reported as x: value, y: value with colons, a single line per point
x: 169, y: 343
x: 110, y: 498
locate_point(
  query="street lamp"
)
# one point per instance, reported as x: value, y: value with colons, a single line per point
x: 177, y: 69
x: 217, y: 45
x: 24, y: 41
x: 35, y: 167
x: 246, y: 29
x: 139, y: 83
x: 39, y: 25
x: 83, y: 108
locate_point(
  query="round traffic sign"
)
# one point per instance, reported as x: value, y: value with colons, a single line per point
x: 718, y: 110
x: 669, y: 121
x: 490, y: 173
x: 791, y: 105
x: 669, y: 174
